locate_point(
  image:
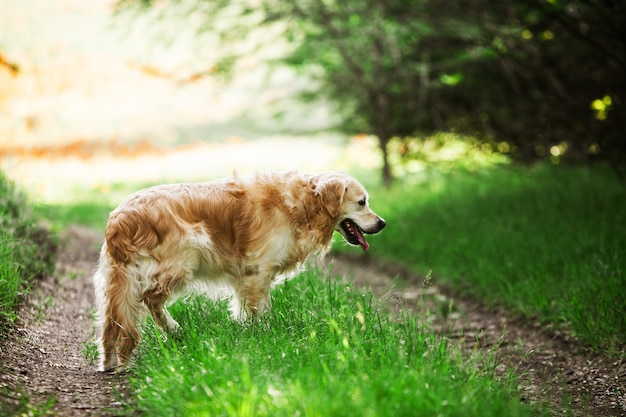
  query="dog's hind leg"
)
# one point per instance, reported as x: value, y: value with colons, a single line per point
x: 106, y: 339
x: 120, y: 314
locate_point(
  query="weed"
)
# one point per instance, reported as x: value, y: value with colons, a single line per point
x: 90, y: 352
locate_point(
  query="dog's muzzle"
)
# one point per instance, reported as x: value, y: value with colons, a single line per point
x: 354, y: 234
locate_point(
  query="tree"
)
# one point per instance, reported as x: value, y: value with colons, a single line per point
x: 363, y: 54
x: 366, y: 61
x: 544, y: 77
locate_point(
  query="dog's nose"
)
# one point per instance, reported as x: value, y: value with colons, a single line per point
x: 381, y: 223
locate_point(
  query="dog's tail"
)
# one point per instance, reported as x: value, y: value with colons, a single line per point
x: 119, y: 312
x: 128, y: 232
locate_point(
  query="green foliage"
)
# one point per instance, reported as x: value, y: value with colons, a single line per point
x: 10, y: 280
x: 543, y: 77
x: 325, y: 350
x: 26, y: 249
x: 545, y: 242
x: 90, y: 352
x: 445, y: 151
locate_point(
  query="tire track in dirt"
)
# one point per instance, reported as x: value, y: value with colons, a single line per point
x: 43, y: 367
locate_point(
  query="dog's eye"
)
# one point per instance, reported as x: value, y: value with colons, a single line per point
x: 362, y: 202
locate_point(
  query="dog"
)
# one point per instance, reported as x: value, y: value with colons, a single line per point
x: 245, y: 234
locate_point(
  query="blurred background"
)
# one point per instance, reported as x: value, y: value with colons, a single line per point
x: 89, y: 99
x: 102, y: 92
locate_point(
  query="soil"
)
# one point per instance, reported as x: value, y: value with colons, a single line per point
x: 46, y: 366
x: 43, y: 369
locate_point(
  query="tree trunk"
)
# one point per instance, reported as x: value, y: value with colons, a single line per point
x: 387, y: 175
x: 381, y: 103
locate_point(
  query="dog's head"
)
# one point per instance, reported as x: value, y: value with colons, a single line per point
x: 347, y: 205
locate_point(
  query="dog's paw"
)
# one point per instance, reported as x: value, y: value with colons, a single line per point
x: 114, y: 369
x: 173, y: 326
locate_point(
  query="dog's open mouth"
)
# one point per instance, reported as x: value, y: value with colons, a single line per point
x: 353, y: 234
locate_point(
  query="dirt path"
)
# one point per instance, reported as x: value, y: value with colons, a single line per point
x: 44, y: 369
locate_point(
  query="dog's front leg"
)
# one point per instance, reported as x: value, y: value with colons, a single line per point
x: 155, y: 301
x: 252, y: 296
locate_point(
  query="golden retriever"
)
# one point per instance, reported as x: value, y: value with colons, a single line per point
x: 240, y: 234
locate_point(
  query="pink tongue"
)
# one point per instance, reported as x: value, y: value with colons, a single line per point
x: 362, y: 240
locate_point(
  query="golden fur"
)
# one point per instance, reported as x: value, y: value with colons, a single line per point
x: 243, y: 235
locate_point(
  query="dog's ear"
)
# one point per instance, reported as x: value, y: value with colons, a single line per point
x: 330, y: 190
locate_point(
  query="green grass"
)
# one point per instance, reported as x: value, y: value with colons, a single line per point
x: 325, y: 350
x: 26, y: 250
x: 546, y: 242
x: 11, y: 283
x: 94, y: 215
